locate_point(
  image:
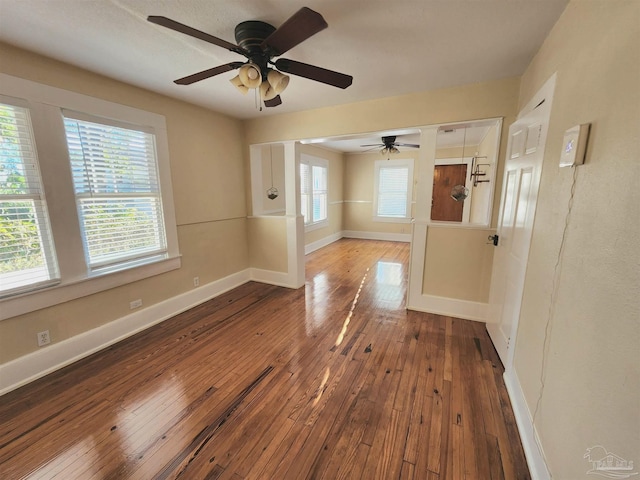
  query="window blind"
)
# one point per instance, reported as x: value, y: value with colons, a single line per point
x: 393, y: 191
x: 305, y: 190
x: 313, y: 192
x: 26, y: 246
x: 319, y: 177
x: 117, y: 190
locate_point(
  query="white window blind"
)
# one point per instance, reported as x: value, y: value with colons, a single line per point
x: 393, y: 191
x: 313, y: 192
x: 117, y: 190
x: 319, y: 175
x: 305, y: 190
x: 27, y: 256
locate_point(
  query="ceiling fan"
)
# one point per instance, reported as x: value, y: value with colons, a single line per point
x: 389, y: 145
x: 260, y: 42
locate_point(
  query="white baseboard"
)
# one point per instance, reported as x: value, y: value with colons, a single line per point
x: 323, y: 242
x: 535, y: 458
x: 279, y: 279
x: 32, y: 366
x: 450, y: 307
x: 390, y: 237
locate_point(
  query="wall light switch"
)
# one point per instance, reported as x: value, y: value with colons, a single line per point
x: 574, y: 145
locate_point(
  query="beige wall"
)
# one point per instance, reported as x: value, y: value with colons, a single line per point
x: 268, y: 243
x: 482, y: 191
x: 456, y: 152
x: 458, y: 263
x: 587, y: 307
x: 208, y: 188
x: 359, y: 191
x: 272, y: 157
x: 470, y: 102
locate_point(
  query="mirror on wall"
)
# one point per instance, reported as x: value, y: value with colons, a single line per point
x: 464, y: 175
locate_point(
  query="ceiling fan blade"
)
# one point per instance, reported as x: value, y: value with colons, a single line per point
x: 374, y: 145
x: 192, y: 32
x: 376, y: 148
x: 274, y: 102
x: 196, y: 77
x: 312, y: 72
x: 300, y: 26
x: 410, y: 145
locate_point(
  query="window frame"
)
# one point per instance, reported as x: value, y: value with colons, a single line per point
x: 395, y: 163
x: 107, y: 191
x: 313, y: 161
x: 41, y: 213
x: 46, y: 105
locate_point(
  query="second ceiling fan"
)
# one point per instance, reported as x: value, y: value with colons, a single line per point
x: 260, y: 42
x: 389, y: 145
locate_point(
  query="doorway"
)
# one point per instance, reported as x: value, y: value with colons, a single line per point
x: 444, y: 207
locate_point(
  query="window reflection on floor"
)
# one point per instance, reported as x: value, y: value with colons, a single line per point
x: 389, y: 273
x: 316, y: 294
x: 389, y: 287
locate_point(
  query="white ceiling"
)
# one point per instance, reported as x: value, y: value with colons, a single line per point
x: 459, y: 135
x: 390, y: 47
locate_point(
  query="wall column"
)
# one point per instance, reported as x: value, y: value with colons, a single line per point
x: 295, y: 221
x: 423, y: 174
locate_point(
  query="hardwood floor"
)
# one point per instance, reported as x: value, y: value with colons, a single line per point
x: 334, y: 380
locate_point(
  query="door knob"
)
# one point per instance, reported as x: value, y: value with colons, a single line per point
x: 493, y: 239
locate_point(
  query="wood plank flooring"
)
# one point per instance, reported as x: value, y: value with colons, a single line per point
x: 335, y: 380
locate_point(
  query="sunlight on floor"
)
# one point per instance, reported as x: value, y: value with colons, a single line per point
x: 83, y: 452
x: 350, y: 314
x: 315, y: 303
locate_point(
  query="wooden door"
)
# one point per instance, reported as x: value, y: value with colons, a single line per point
x: 445, y: 177
x: 523, y: 167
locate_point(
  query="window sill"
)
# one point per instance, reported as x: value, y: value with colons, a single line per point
x: 64, y: 292
x: 316, y: 226
x: 392, y: 219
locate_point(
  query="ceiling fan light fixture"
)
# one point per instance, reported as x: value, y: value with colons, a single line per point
x: 250, y: 75
x: 389, y: 150
x: 278, y: 81
x: 237, y: 82
x: 267, y: 92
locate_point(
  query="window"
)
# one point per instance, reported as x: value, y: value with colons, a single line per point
x: 313, y: 190
x: 26, y: 248
x: 108, y: 219
x: 117, y: 192
x: 393, y: 182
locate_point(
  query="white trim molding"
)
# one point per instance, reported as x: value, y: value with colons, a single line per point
x: 32, y: 366
x: 323, y: 242
x: 526, y: 428
x: 387, y: 236
x: 450, y: 307
x: 271, y: 277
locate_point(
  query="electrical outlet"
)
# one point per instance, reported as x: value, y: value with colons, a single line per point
x: 196, y: 281
x: 43, y: 338
x: 135, y: 304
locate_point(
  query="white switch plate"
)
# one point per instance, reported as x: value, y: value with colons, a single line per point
x: 574, y: 145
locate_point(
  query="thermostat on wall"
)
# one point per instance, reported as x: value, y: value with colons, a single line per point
x: 574, y: 145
